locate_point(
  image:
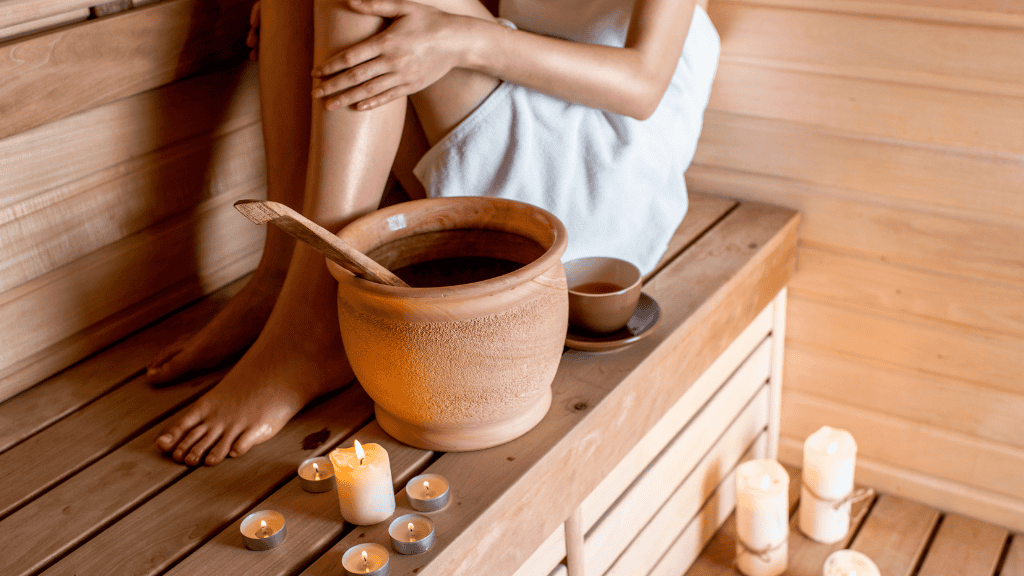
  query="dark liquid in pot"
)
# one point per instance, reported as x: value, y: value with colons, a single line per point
x: 455, y: 271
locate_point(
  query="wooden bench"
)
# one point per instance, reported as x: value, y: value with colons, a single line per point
x: 629, y: 472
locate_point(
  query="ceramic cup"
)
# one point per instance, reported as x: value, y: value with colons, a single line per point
x: 603, y: 293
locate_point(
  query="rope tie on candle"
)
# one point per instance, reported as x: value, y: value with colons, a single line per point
x: 852, y: 498
x: 762, y: 554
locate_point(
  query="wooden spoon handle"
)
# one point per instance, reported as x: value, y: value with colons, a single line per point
x: 334, y: 248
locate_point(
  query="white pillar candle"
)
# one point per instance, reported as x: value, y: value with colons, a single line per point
x: 363, y: 476
x: 762, y: 518
x: 829, y: 460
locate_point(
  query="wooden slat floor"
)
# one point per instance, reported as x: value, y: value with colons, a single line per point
x: 903, y: 537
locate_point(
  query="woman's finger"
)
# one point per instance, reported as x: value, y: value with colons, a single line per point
x: 383, y: 8
x: 383, y: 98
x: 365, y: 91
x: 352, y: 56
x: 254, y: 15
x: 352, y: 77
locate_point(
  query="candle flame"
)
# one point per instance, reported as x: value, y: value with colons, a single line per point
x: 366, y: 559
x: 263, y: 533
x: 411, y: 537
x: 853, y: 573
x: 426, y: 486
x: 833, y: 448
x: 316, y: 471
x: 765, y: 482
x: 359, y: 452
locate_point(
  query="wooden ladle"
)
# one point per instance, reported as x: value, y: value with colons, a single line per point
x: 334, y: 248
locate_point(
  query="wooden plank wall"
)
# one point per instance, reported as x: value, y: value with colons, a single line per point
x: 897, y: 128
x: 125, y: 137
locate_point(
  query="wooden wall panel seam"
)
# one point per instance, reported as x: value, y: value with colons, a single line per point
x: 25, y: 11
x: 901, y: 11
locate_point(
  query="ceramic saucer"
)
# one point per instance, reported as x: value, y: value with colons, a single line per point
x: 641, y: 324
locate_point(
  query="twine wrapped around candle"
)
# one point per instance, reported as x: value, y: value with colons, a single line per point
x: 762, y: 554
x: 837, y: 503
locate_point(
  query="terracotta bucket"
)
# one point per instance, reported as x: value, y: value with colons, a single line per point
x: 457, y: 366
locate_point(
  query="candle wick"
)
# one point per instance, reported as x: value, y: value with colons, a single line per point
x: 316, y: 471
x: 263, y: 529
x: 426, y: 486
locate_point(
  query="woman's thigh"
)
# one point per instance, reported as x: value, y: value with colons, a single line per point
x: 443, y: 105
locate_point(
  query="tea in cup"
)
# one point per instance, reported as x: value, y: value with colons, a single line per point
x: 603, y: 293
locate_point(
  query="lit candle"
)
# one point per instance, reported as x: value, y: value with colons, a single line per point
x: 363, y: 559
x: 316, y: 475
x: 427, y: 492
x: 365, y: 492
x: 762, y: 518
x: 262, y: 530
x: 849, y: 563
x: 411, y: 534
x: 829, y: 460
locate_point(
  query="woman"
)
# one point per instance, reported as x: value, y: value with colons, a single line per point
x: 594, y: 115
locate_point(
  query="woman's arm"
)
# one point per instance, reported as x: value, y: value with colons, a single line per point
x: 422, y: 44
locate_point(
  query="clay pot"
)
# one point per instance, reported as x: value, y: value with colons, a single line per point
x: 466, y: 366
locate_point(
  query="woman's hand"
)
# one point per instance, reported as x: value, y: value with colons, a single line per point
x: 253, y: 39
x: 421, y: 45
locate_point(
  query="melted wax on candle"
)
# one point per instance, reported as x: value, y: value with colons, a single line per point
x: 832, y: 449
x: 765, y: 482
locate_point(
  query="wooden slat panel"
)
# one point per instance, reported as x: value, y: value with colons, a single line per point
x: 881, y: 109
x: 654, y: 538
x: 50, y: 400
x: 960, y: 301
x: 687, y: 457
x: 702, y: 528
x: 930, y: 53
x: 63, y: 316
x: 184, y: 516
x: 953, y: 405
x: 25, y: 28
x: 937, y: 492
x: 998, y: 13
x: 895, y: 533
x: 153, y: 188
x: 885, y: 232
x: 702, y: 212
x: 740, y: 361
x: 957, y: 182
x: 314, y: 520
x: 21, y: 11
x: 960, y: 458
x: 550, y: 553
x: 964, y: 547
x: 152, y: 46
x: 1014, y: 563
x: 585, y: 434
x: 990, y: 360
x: 43, y: 460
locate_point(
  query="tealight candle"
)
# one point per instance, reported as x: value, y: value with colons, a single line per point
x: 317, y: 474
x: 762, y: 518
x: 363, y: 476
x: 849, y: 563
x: 366, y: 559
x: 829, y: 460
x: 427, y: 492
x: 263, y: 530
x: 411, y: 534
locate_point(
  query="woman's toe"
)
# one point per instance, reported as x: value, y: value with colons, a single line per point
x: 193, y: 436
x: 251, y: 437
x: 220, y: 451
x: 172, y: 435
x: 195, y: 455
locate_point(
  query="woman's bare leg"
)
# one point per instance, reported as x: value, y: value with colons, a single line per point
x: 299, y: 353
x: 285, y: 85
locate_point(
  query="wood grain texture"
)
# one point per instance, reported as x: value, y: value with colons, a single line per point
x: 941, y: 403
x: 903, y: 235
x: 958, y: 301
x: 742, y: 361
x: 548, y: 554
x: 718, y: 286
x: 1014, y: 562
x: 13, y: 31
x: 955, y: 182
x: 152, y: 45
x: 995, y: 13
x: 964, y: 547
x: 912, y: 51
x: 313, y: 520
x: 985, y: 359
x: 205, y: 502
x: 53, y: 398
x: 702, y: 212
x: 961, y: 458
x: 25, y: 11
x: 894, y: 535
x: 97, y: 299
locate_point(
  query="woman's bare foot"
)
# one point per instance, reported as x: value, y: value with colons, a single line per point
x: 297, y: 357
x: 231, y: 331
